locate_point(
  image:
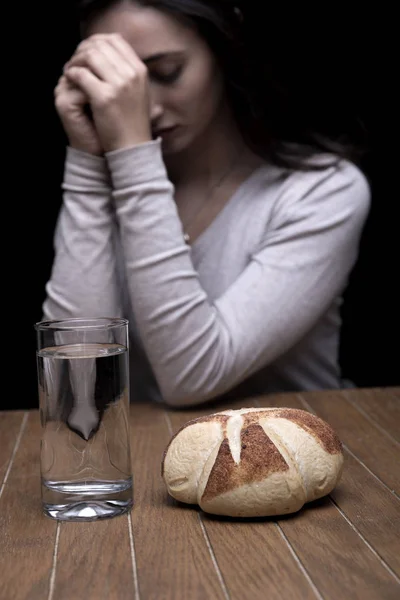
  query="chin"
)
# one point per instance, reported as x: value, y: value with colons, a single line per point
x: 172, y: 147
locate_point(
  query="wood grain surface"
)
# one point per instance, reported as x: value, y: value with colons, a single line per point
x: 345, y: 545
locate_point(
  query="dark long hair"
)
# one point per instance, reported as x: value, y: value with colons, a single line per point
x: 286, y: 112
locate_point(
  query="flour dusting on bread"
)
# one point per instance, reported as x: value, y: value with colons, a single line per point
x: 253, y: 462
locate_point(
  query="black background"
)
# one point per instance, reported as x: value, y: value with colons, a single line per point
x: 351, y: 63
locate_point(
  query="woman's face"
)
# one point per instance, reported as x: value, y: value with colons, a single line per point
x: 186, y: 87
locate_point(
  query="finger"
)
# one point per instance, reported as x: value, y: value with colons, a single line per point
x: 60, y: 85
x: 68, y: 98
x: 104, y: 62
x: 93, y: 38
x: 87, y: 82
x: 120, y: 44
x: 65, y: 86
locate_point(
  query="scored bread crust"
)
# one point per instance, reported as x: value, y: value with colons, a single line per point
x: 253, y: 462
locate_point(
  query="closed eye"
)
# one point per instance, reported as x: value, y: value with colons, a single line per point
x: 166, y: 77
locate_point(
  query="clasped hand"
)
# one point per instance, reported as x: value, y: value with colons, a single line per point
x: 106, y: 74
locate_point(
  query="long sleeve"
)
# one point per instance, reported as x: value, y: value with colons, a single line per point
x: 199, y: 349
x: 84, y: 279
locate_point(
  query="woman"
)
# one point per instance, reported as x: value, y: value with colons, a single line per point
x: 224, y: 240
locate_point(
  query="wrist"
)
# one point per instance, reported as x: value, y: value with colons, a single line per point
x: 126, y: 140
x: 136, y: 165
x: 85, y: 148
x: 85, y: 171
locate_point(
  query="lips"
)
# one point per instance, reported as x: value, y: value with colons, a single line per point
x: 164, y: 131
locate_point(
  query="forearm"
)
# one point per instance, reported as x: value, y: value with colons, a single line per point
x: 83, y: 280
x: 200, y: 349
x: 183, y: 338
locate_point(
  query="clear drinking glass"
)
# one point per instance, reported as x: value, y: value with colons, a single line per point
x: 83, y: 384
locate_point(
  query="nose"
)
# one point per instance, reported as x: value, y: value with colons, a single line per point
x: 156, y: 108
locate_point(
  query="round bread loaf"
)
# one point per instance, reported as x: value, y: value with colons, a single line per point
x: 253, y: 462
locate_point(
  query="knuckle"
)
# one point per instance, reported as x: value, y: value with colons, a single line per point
x: 142, y: 71
x: 137, y: 75
x: 57, y: 91
x: 60, y: 103
x: 125, y: 85
x: 131, y: 78
x: 90, y: 54
x: 84, y: 45
x: 106, y: 98
x: 81, y: 45
x: 74, y: 71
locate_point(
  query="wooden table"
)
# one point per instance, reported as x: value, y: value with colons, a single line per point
x: 344, y: 546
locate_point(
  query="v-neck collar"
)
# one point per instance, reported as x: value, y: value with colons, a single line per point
x: 238, y: 193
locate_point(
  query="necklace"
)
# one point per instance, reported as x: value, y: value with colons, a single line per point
x: 210, y: 192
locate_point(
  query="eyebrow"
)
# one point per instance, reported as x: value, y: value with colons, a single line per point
x: 161, y: 55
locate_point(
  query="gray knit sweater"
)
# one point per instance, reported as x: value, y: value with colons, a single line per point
x: 253, y: 305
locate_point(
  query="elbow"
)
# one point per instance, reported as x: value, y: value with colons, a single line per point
x: 202, y: 379
x: 179, y: 400
x: 187, y: 396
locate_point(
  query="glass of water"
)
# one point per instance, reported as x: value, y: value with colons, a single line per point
x: 83, y: 384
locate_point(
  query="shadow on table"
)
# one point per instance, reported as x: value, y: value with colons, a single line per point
x: 316, y: 505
